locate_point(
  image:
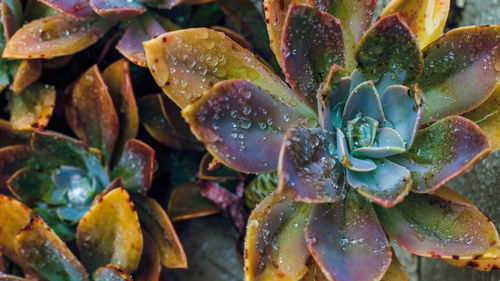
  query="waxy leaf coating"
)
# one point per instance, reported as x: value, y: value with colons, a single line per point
x: 47, y: 254
x: 312, y: 42
x: 75, y: 8
x: 307, y: 170
x: 117, y: 9
x: 110, y: 233
x: 54, y: 36
x: 241, y: 125
x: 347, y: 241
x: 390, y: 47
x: 462, y: 69
x: 443, y: 151
x: 432, y: 226
x: 111, y: 272
x: 188, y: 62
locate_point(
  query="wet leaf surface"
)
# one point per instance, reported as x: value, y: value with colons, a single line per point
x: 33, y: 107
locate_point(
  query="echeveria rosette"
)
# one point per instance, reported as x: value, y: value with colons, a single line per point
x: 375, y: 89
x: 92, y: 190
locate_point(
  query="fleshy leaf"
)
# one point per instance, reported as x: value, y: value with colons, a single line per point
x: 275, y: 247
x: 276, y: 11
x: 161, y: 229
x: 54, y: 36
x: 188, y: 62
x: 487, y: 117
x: 8, y: 20
x: 13, y: 216
x: 33, y: 107
x: 163, y: 121
x: 28, y: 72
x: 169, y: 4
x: 432, y: 226
x: 347, y: 160
x: 6, y: 277
x: 312, y: 42
x: 211, y: 169
x: 390, y: 47
x: 117, y: 9
x: 333, y: 91
x: 31, y: 185
x: 135, y: 166
x: 91, y: 113
x: 387, y: 185
x: 110, y: 233
x: 388, y: 142
x: 75, y: 8
x: 307, y: 170
x: 347, y: 241
x: 443, y: 151
x: 395, y: 272
x: 47, y: 254
x: 139, y: 30
x: 186, y: 203
x: 111, y: 272
x: 150, y: 266
x: 425, y: 18
x: 241, y: 125
x: 461, y: 70
x: 117, y: 78
x: 355, y: 17
x: 63, y: 229
x: 404, y: 110
x: 364, y: 100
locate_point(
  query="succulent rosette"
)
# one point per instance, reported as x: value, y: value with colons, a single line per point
x: 363, y: 140
x: 91, y: 191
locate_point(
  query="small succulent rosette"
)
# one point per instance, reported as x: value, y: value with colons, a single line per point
x: 363, y: 137
x: 92, y: 190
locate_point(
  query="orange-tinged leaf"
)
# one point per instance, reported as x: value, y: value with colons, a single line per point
x: 47, y: 254
x: 91, y: 113
x: 54, y: 36
x: 110, y: 233
x: 117, y: 78
x: 158, y: 224
x: 33, y: 107
x: 275, y: 247
x: 13, y: 217
x: 188, y: 62
x: 426, y: 18
x: 28, y: 72
x: 276, y: 11
x: 487, y: 116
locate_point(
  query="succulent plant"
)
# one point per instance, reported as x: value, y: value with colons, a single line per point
x: 92, y: 190
x: 363, y: 140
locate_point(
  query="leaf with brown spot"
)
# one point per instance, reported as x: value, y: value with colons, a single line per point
x: 111, y: 272
x: 110, y: 233
x: 33, y: 107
